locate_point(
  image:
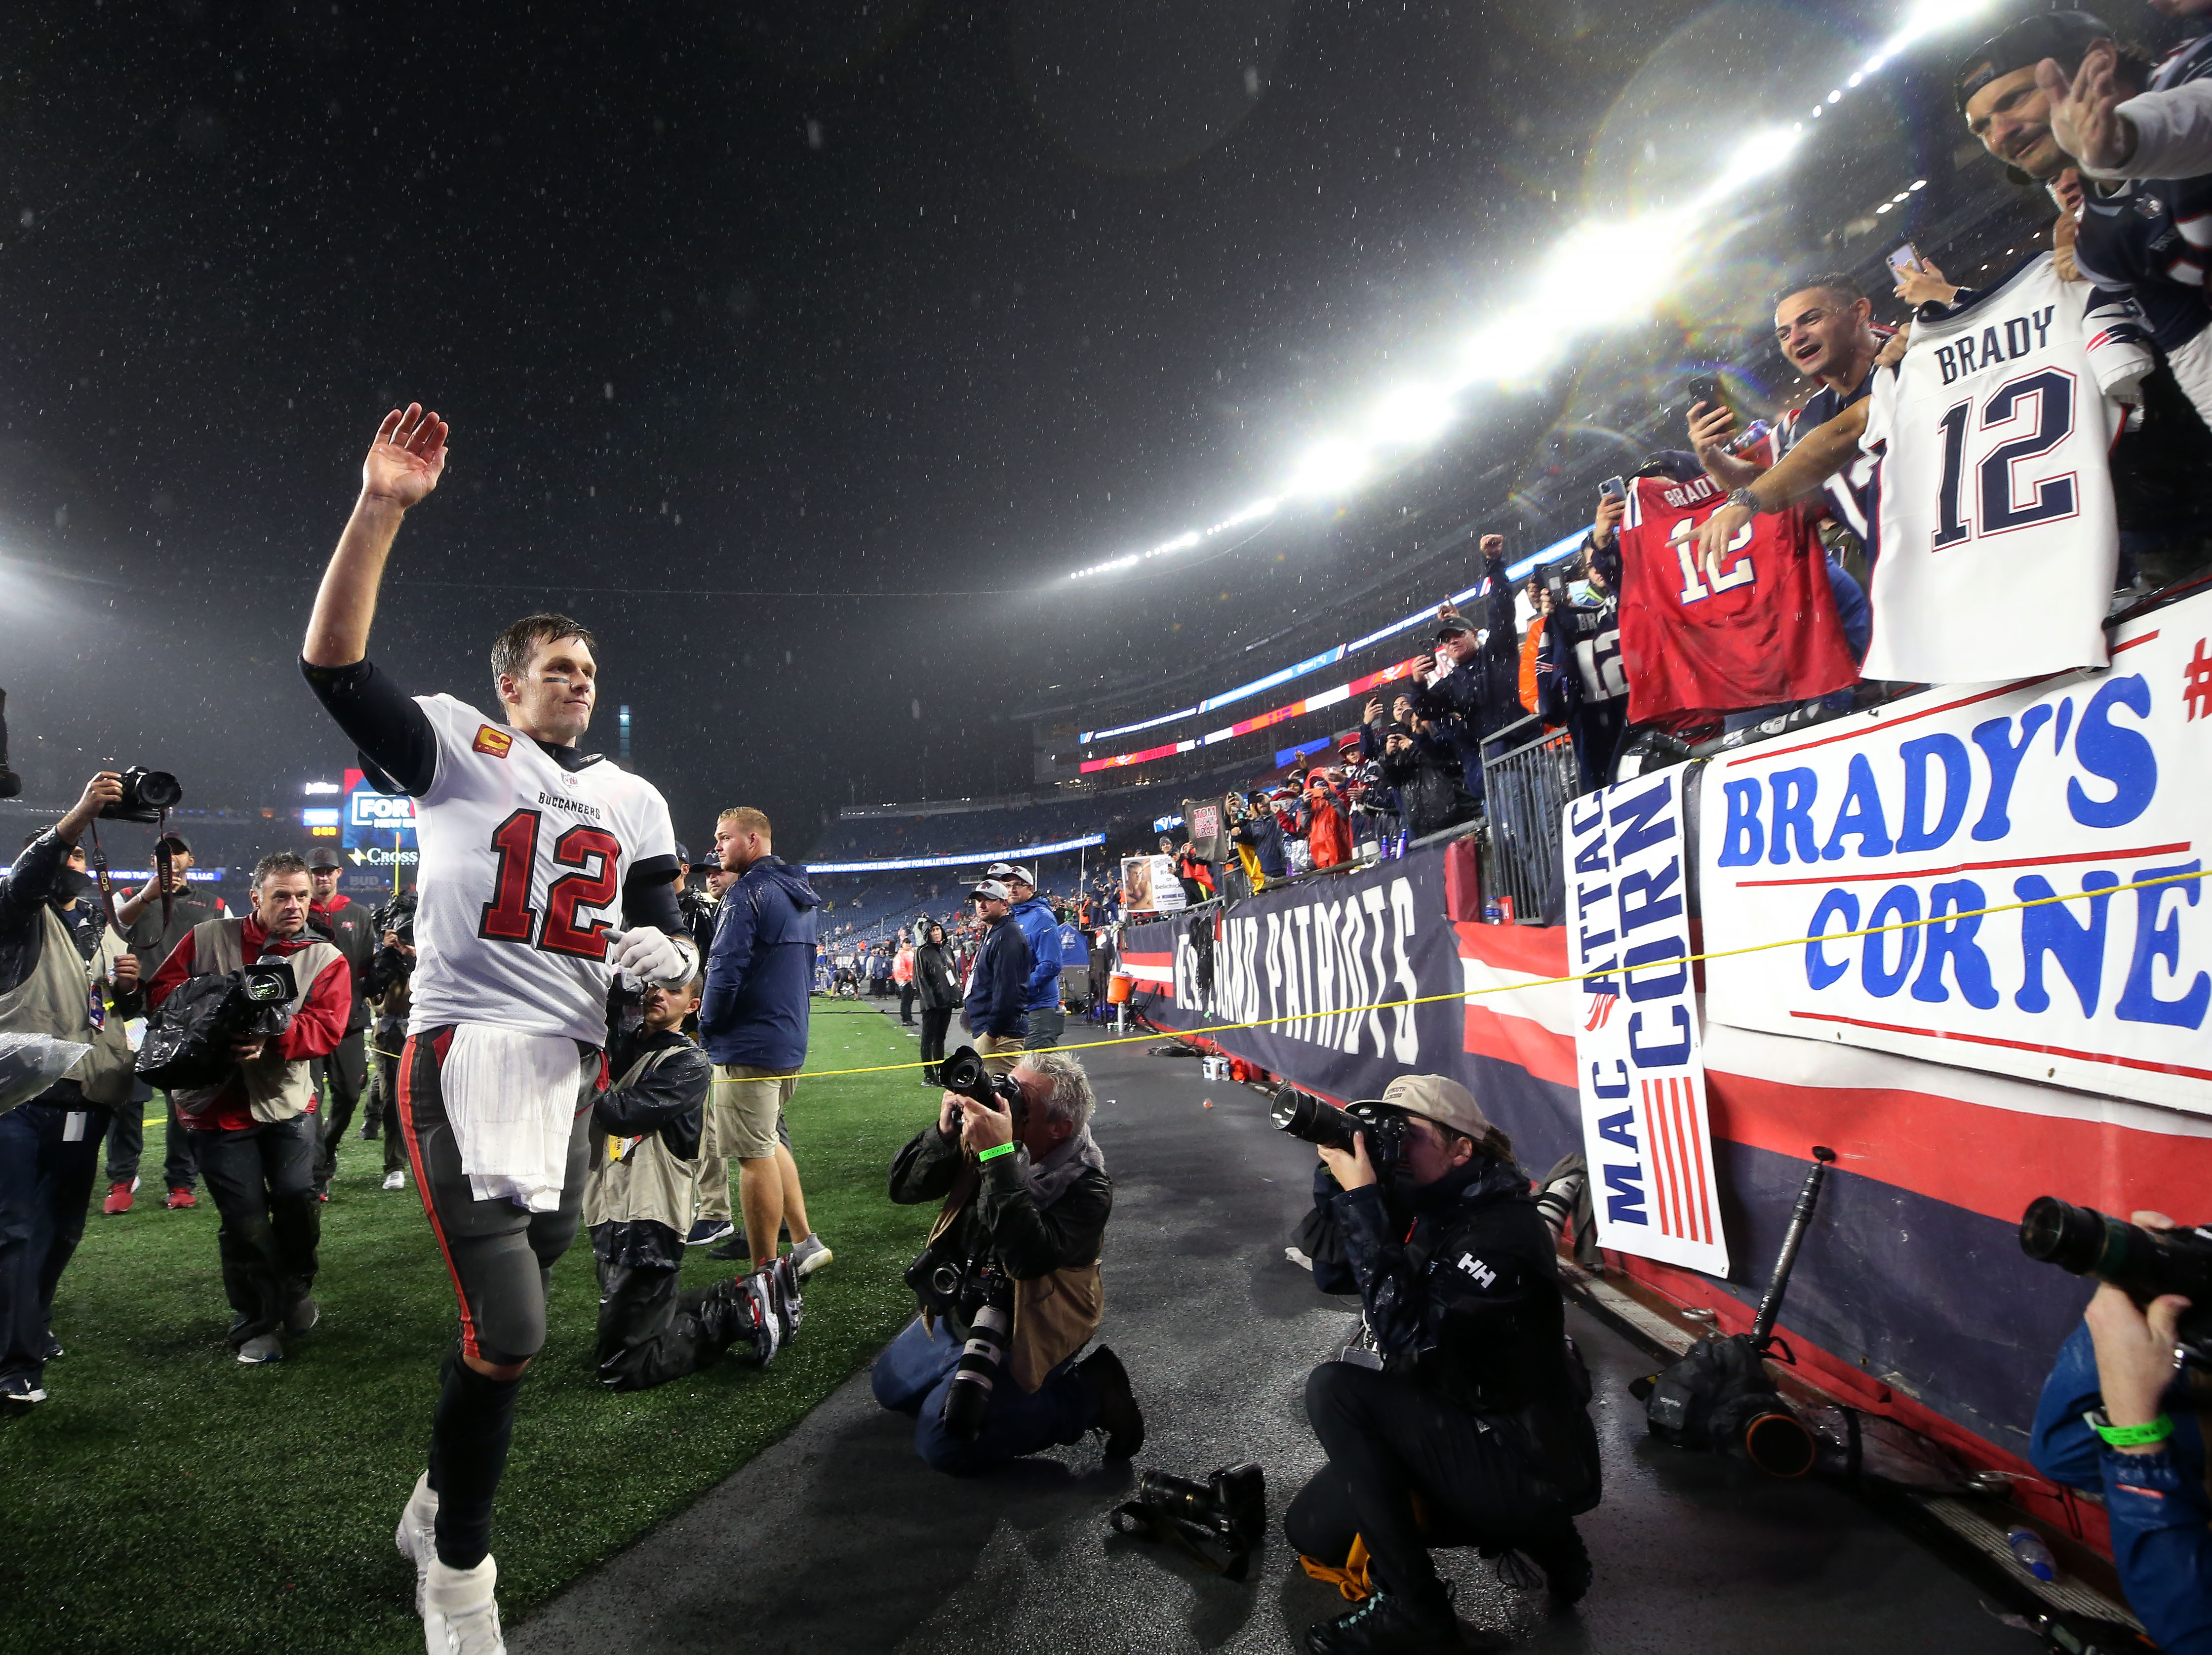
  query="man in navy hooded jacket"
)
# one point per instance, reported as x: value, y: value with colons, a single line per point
x: 1047, y: 1018
x: 999, y: 985
x: 753, y: 1024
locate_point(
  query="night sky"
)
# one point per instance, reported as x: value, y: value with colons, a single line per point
x: 727, y: 301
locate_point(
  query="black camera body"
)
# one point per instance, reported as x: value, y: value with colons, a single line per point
x: 963, y: 1072
x: 189, y: 1040
x: 1311, y: 1120
x: 396, y: 913
x: 147, y: 796
x: 1221, y: 1522
x: 2144, y: 1264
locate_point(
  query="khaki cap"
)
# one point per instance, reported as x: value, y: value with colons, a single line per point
x: 1441, y: 1099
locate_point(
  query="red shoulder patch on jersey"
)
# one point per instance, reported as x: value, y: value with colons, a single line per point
x: 495, y: 742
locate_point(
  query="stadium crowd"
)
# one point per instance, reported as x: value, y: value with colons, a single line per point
x: 1760, y: 577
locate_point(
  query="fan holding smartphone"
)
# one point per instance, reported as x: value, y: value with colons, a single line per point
x: 1918, y: 282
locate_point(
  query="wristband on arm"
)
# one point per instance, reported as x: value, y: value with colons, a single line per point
x: 1008, y: 1149
x: 2126, y: 1436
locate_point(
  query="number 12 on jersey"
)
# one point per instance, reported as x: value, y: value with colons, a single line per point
x: 2043, y: 402
x: 508, y: 917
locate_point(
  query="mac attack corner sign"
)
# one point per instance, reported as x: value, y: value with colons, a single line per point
x: 1638, y: 1056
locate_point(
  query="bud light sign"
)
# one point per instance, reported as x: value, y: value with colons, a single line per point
x: 2007, y: 878
x: 373, y: 820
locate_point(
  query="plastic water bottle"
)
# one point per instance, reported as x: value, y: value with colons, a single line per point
x: 1492, y: 913
x: 2031, y: 1554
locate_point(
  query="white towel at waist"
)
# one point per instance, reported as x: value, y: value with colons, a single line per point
x: 512, y: 1100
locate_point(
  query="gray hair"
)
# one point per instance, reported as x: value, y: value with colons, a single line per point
x: 1070, y: 1099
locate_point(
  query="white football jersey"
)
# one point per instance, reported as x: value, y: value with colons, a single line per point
x: 521, y: 878
x: 1999, y: 543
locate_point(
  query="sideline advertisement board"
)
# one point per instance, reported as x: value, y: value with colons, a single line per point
x: 1639, y: 1065
x: 1956, y: 800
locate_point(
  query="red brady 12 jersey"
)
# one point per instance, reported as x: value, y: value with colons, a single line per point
x: 1999, y: 540
x: 1765, y: 631
x: 521, y: 878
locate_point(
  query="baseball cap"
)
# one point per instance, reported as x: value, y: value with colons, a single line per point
x: 1453, y: 627
x: 1441, y: 1099
x: 991, y: 888
x: 1348, y: 741
x: 2064, y: 35
x: 1010, y: 871
x: 175, y: 842
x: 681, y: 855
x: 324, y: 857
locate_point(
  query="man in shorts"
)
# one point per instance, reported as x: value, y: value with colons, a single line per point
x: 753, y: 1023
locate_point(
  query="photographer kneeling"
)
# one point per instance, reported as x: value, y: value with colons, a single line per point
x: 1462, y: 1419
x: 1011, y: 1266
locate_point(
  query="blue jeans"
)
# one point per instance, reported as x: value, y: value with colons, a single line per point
x: 914, y: 1372
x: 45, y: 1180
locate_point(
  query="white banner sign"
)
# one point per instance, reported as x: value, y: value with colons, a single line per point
x: 1638, y: 1053
x: 1955, y: 801
x: 1150, y: 885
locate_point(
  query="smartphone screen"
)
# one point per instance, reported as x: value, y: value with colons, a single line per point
x: 1903, y: 259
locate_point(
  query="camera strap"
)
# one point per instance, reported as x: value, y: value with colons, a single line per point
x: 99, y: 860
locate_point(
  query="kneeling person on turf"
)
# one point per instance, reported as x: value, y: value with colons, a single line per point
x: 254, y: 1132
x: 1025, y: 1200
x: 645, y: 1162
x: 1466, y: 1423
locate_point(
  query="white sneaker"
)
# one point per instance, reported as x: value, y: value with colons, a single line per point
x: 395, y: 1179
x: 417, y: 1534
x: 810, y: 1255
x: 459, y: 1617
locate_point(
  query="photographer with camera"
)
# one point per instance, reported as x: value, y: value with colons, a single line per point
x: 254, y: 1130
x: 152, y: 928
x: 1462, y: 1416
x: 2120, y: 1416
x: 51, y: 985
x: 1009, y: 1283
x: 386, y: 986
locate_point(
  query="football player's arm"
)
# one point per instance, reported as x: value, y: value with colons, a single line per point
x: 1819, y: 455
x: 388, y: 724
x: 320, y: 1025
x: 403, y: 466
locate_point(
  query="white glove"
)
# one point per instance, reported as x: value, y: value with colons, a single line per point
x: 653, y: 956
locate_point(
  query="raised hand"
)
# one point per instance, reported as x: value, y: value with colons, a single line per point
x: 2085, y: 112
x: 407, y: 459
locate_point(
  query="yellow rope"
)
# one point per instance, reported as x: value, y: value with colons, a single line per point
x: 1572, y: 976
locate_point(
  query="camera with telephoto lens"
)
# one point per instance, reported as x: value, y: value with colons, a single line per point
x: 147, y: 796
x: 189, y: 1042
x: 396, y: 913
x: 1220, y: 1522
x: 963, y: 1072
x: 2142, y: 1263
x: 1311, y: 1120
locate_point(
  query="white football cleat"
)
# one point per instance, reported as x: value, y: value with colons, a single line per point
x: 459, y: 1614
x: 417, y: 1534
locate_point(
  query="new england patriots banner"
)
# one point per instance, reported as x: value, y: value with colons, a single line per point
x: 2086, y: 786
x: 1638, y: 1060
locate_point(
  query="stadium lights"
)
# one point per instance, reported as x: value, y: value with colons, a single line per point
x: 972, y: 858
x: 1598, y: 273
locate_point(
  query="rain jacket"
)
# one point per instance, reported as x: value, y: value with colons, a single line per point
x: 997, y: 988
x: 1041, y: 932
x: 759, y: 970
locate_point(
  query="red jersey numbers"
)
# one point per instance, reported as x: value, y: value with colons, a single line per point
x: 508, y: 917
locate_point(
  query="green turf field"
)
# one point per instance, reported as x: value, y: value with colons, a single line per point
x: 166, y: 1498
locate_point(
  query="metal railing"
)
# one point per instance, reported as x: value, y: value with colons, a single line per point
x: 1525, y: 787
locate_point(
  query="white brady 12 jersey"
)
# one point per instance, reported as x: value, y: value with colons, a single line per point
x: 1999, y: 541
x: 521, y: 878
